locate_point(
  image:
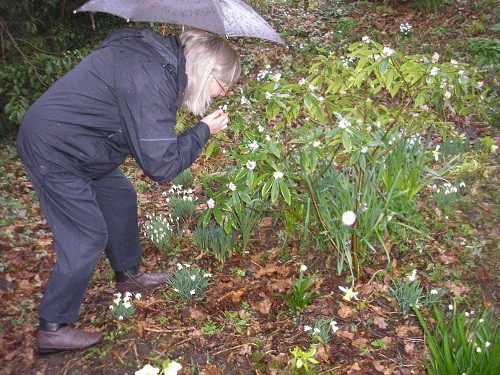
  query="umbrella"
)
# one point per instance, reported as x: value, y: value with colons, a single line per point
x: 225, y: 17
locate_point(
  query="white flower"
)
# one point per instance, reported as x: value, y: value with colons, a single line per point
x: 365, y: 39
x: 120, y: 317
x: 117, y: 301
x: 148, y: 370
x: 231, y: 186
x: 253, y: 146
x: 207, y: 275
x: 344, y: 124
x: 303, y: 268
x: 481, y: 320
x: 316, y: 144
x: 434, y: 71
x: 244, y: 100
x: 307, y: 328
x: 276, y: 77
x: 316, y: 330
x: 118, y: 295
x: 478, y: 349
x: 302, y: 81
x: 192, y: 292
x: 299, y: 363
x: 172, y: 368
x: 487, y: 344
x: 349, y: 294
x: 210, y: 204
x: 261, y: 129
x: 494, y: 149
x: 138, y: 296
x: 268, y: 95
x: 127, y: 305
x: 348, y: 218
x: 277, y: 175
x: 388, y: 51
x: 434, y: 291
x: 450, y: 307
x: 364, y: 149
x: 111, y: 307
x: 333, y: 325
x: 413, y: 275
x: 435, y: 57
x: 176, y: 290
x: 447, y: 95
x: 193, y: 277
x: 436, y: 153
x: 251, y: 165
x: 179, y: 266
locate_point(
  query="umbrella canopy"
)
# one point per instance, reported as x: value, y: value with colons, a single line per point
x: 225, y: 17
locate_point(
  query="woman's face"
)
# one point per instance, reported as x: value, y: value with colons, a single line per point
x: 217, y: 87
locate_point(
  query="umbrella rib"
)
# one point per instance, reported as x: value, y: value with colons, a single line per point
x: 221, y: 13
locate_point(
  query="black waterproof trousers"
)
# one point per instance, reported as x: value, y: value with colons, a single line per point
x: 86, y: 217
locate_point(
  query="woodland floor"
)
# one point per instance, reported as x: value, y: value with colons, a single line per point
x: 259, y: 342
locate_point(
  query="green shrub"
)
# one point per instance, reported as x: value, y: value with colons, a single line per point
x: 24, y: 82
x: 214, y: 240
x: 465, y: 344
x: 485, y: 50
x: 354, y: 133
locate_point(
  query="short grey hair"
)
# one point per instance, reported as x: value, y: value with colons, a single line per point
x: 206, y: 54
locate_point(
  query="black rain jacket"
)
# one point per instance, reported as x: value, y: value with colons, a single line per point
x: 121, y: 99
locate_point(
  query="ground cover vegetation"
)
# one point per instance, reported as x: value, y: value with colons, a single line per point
x: 346, y: 223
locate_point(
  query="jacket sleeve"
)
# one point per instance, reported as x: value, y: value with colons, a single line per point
x: 146, y: 97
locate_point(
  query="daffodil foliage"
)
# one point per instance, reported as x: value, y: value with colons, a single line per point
x: 356, y: 134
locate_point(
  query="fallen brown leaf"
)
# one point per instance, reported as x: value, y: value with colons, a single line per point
x: 448, y: 259
x: 234, y: 296
x: 457, y: 289
x: 345, y: 310
x: 211, y: 370
x: 403, y: 331
x: 245, y: 349
x: 272, y: 268
x: 360, y: 343
x: 266, y: 222
x: 264, y: 306
x: 409, y: 347
x: 378, y: 366
x: 380, y: 322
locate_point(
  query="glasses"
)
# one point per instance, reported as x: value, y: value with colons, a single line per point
x: 221, y: 87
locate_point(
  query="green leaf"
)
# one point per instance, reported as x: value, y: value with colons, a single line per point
x: 245, y: 197
x: 250, y: 178
x: 383, y: 65
x: 267, y: 186
x: 346, y: 141
x: 212, y: 148
x: 274, y: 190
x: 285, y: 192
x: 217, y: 215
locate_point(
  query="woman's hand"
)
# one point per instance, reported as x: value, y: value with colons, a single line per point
x: 216, y: 121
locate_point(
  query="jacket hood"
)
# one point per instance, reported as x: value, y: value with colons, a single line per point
x: 167, y: 50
